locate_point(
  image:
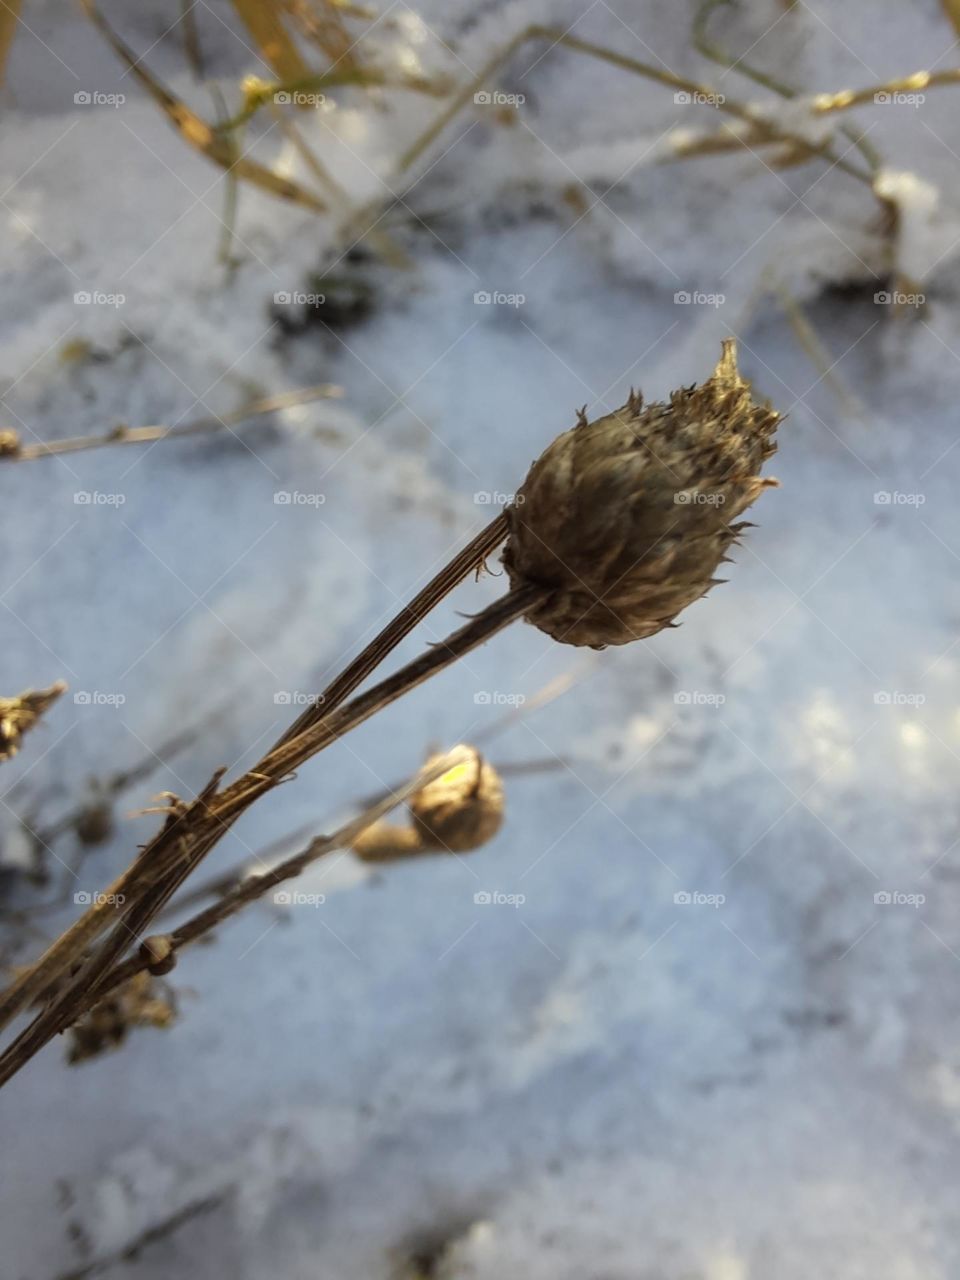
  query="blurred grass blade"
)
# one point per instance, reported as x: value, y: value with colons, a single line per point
x: 262, y: 19
x: 9, y: 17
x: 952, y: 9
x: 213, y: 143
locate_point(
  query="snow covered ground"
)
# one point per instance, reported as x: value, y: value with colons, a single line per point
x: 604, y: 1081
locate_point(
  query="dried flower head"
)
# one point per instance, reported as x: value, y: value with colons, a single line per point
x: 627, y: 518
x: 9, y: 443
x: 19, y: 715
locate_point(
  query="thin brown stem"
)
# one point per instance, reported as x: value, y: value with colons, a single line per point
x: 202, y: 824
x: 398, y: 628
x: 252, y: 887
x: 165, y: 858
x: 716, y: 53
x: 200, y: 426
x: 730, y: 106
x: 824, y: 103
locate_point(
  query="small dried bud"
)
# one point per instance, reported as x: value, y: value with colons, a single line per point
x: 625, y: 520
x: 159, y: 954
x: 94, y: 824
x: 463, y: 808
x: 19, y: 715
x: 9, y: 443
x: 140, y: 1002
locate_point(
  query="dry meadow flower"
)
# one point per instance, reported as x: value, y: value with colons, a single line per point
x: 626, y: 519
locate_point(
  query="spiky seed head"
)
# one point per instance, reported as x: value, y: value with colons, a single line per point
x: 626, y: 519
x: 18, y: 715
x: 463, y: 808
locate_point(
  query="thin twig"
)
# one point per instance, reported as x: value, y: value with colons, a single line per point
x: 716, y: 53
x: 399, y: 627
x: 165, y: 858
x: 742, y: 110
x: 200, y: 426
x: 824, y: 103
x: 252, y: 887
x: 199, y: 827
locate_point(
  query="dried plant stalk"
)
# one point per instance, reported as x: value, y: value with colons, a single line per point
x: 165, y: 858
x: 13, y: 451
x: 768, y: 130
x: 323, y: 24
x: 595, y: 558
x: 256, y: 886
x: 952, y: 9
x: 710, y: 49
x: 263, y: 20
x: 824, y: 103
x: 191, y: 834
x: 215, y: 144
x: 9, y: 17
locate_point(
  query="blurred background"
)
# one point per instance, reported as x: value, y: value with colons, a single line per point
x: 692, y: 1014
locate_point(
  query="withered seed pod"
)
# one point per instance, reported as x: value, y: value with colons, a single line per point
x: 627, y: 518
x: 455, y: 813
x: 9, y: 443
x: 463, y: 808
